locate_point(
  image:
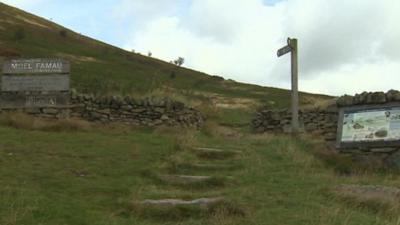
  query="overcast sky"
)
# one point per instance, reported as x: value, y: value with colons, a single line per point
x: 345, y: 46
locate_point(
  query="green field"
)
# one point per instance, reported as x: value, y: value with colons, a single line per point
x: 96, y: 176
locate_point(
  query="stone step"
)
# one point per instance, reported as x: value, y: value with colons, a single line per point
x: 190, y: 179
x: 183, y: 179
x: 215, y: 153
x: 206, y: 149
x: 180, y: 202
x: 209, y: 166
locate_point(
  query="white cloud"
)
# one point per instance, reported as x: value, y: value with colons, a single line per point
x: 345, y: 46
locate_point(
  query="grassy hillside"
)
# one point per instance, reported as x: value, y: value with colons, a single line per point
x: 96, y: 175
x: 103, y: 69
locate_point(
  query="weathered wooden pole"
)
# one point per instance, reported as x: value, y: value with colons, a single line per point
x: 292, y: 48
x: 295, y: 87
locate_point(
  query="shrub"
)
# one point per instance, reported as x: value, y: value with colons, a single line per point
x: 19, y: 34
x: 63, y: 33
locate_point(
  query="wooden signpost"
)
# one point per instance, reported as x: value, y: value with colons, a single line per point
x: 35, y: 83
x: 292, y: 47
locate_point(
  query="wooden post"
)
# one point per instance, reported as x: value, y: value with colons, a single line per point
x: 292, y: 48
x: 295, y: 92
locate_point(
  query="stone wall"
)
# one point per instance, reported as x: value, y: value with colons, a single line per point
x: 323, y: 121
x: 147, y: 112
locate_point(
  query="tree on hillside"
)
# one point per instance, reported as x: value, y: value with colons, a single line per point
x: 179, y: 61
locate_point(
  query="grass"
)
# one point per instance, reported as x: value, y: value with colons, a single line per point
x: 28, y: 122
x: 94, y: 177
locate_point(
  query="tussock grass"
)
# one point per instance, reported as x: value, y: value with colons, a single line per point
x: 28, y: 122
x: 17, y: 206
x: 347, y: 164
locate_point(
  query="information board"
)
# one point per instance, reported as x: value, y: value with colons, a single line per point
x: 35, y: 83
x: 363, y: 126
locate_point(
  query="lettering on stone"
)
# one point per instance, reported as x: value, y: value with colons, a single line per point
x: 14, y: 101
x: 35, y: 83
x: 24, y: 66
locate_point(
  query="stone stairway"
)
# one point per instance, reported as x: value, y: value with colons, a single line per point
x: 211, y: 160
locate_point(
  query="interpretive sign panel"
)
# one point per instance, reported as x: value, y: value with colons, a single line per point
x: 35, y: 83
x: 33, y: 66
x: 30, y: 83
x: 374, y: 126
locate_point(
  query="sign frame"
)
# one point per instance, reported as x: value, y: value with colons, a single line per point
x: 363, y: 144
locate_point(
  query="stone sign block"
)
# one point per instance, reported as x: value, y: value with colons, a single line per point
x: 14, y: 101
x: 35, y: 83
x: 35, y: 66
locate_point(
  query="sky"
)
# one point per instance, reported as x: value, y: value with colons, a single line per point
x: 345, y: 46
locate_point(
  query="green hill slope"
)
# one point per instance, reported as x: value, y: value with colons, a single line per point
x: 104, y: 69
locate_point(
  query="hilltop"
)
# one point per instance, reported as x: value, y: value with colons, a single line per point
x: 100, y: 68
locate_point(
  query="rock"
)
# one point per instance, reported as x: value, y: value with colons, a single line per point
x: 382, y: 150
x: 51, y: 111
x: 345, y: 100
x: 393, y: 95
x: 164, y: 117
x: 183, y: 179
x: 126, y: 107
x: 33, y: 110
x: 377, y: 98
x: 217, y: 154
x: 368, y: 193
x: 360, y: 98
x: 179, y: 202
x: 331, y: 136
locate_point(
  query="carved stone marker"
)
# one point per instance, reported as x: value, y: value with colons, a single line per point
x: 35, y: 83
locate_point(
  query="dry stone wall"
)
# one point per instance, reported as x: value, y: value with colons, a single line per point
x: 147, y: 111
x: 323, y: 121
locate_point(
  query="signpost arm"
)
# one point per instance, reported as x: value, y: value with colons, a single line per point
x: 295, y: 92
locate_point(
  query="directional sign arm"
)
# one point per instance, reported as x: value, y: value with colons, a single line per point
x: 282, y: 51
